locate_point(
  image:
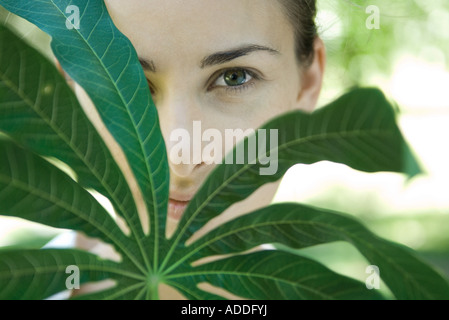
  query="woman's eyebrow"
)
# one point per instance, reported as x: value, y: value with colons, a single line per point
x: 217, y: 58
x: 228, y: 55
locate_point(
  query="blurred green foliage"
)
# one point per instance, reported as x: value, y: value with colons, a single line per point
x: 361, y: 56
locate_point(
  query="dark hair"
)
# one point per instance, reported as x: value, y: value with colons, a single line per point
x: 301, y: 14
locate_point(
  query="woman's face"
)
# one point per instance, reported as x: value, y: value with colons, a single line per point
x: 227, y: 64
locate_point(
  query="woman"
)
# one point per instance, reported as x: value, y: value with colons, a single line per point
x: 231, y: 64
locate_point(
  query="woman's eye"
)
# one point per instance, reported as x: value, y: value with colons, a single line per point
x: 233, y: 78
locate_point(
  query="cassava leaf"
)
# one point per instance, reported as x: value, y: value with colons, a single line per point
x: 134, y: 290
x: 35, y: 190
x: 277, y: 275
x: 299, y: 226
x: 103, y: 61
x: 358, y: 130
x: 39, y: 110
x: 38, y: 274
x: 188, y: 287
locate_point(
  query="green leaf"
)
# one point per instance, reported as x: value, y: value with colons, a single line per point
x: 132, y: 290
x: 277, y: 275
x: 39, y: 110
x: 358, y: 130
x: 38, y: 274
x: 299, y: 226
x: 35, y: 190
x: 103, y: 61
x: 188, y: 287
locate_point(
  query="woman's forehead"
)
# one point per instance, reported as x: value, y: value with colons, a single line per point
x: 203, y: 26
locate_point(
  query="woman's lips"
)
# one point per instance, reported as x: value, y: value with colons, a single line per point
x: 176, y: 208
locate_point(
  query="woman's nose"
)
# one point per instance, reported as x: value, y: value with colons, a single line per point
x: 179, y: 124
x: 180, y: 156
